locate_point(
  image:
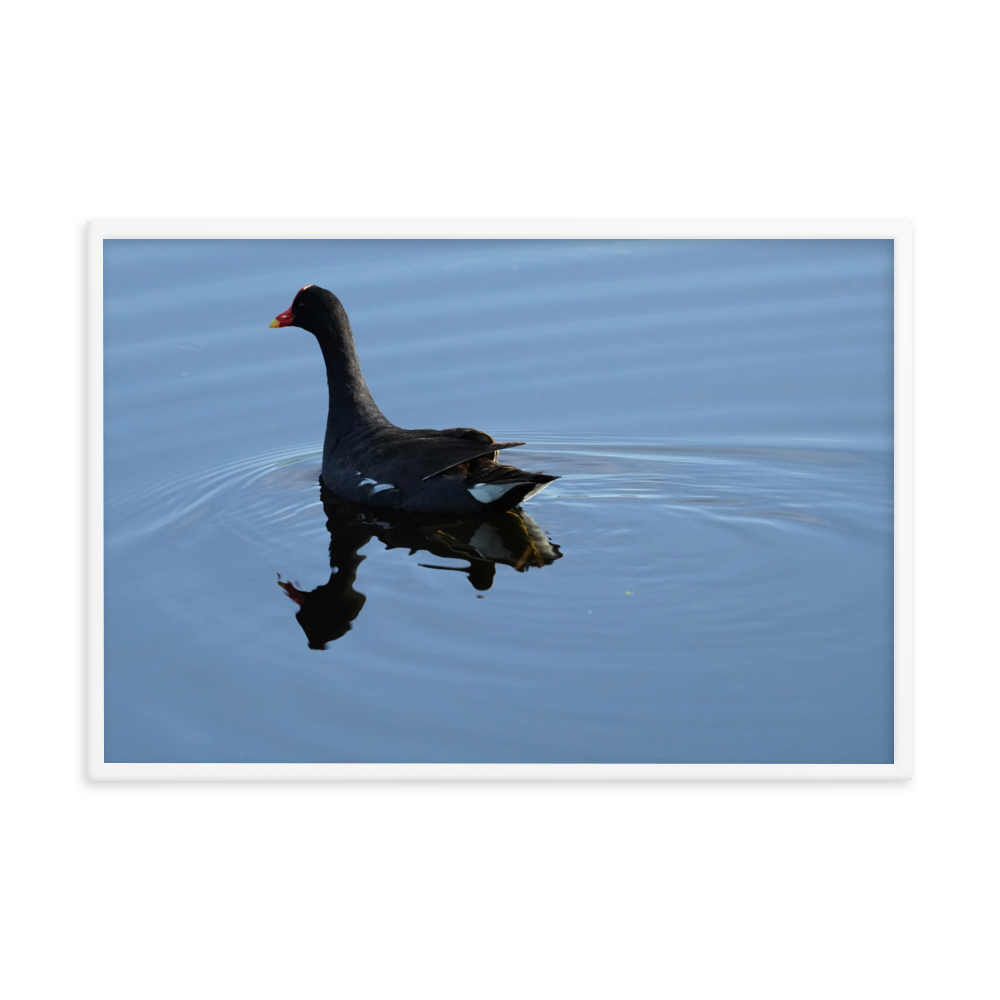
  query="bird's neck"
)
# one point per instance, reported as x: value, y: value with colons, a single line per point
x: 352, y: 407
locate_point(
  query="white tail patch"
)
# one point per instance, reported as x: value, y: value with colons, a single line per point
x: 376, y: 486
x: 488, y: 492
x: 537, y: 489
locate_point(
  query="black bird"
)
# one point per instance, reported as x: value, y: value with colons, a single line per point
x: 369, y: 460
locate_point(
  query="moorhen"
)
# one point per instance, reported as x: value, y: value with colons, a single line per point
x: 369, y: 460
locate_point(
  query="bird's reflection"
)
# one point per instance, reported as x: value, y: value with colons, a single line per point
x: 512, y: 539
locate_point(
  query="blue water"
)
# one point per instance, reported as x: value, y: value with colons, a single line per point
x: 709, y: 581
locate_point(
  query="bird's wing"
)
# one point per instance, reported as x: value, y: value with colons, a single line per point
x: 427, y: 453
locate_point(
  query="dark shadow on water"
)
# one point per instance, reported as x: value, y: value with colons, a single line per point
x: 511, y: 539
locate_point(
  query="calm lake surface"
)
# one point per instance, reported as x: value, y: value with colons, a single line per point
x: 709, y: 581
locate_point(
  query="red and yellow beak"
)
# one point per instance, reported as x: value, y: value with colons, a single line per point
x: 283, y: 319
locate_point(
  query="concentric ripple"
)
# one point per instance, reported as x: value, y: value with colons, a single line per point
x: 250, y: 495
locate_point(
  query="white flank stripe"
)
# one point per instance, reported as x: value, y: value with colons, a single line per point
x: 383, y: 486
x: 364, y: 482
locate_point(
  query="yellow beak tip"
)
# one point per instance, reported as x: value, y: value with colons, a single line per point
x: 273, y: 324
